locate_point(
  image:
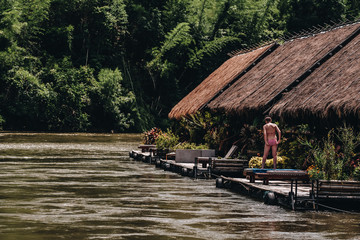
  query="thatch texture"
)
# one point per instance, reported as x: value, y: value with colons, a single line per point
x: 215, y: 82
x: 334, y: 88
x: 254, y: 91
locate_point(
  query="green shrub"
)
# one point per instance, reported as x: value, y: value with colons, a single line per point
x: 187, y: 145
x: 118, y: 104
x: 282, y: 162
x: 292, y: 145
x: 357, y: 173
x: 170, y: 140
x: 167, y: 140
x: 334, y: 156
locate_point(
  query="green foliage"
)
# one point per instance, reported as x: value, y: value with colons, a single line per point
x: 210, y: 49
x: 2, y: 121
x: 176, y: 38
x: 158, y: 51
x: 282, y: 162
x: 71, y: 87
x: 204, y: 127
x: 334, y: 156
x: 296, y: 143
x: 357, y: 174
x: 315, y: 173
x: 307, y: 13
x: 167, y: 140
x: 187, y: 145
x: 117, y: 103
x: 26, y: 99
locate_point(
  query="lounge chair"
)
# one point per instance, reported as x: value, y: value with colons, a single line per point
x: 223, y: 166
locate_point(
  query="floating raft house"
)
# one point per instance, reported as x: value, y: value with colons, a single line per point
x: 309, y: 77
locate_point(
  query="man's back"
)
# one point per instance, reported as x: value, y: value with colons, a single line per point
x: 270, y: 129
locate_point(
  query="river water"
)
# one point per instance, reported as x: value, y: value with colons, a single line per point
x: 84, y: 186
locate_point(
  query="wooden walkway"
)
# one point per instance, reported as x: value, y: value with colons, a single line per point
x: 279, y: 187
x: 293, y: 194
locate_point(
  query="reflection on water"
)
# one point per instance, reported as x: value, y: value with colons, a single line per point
x: 84, y: 186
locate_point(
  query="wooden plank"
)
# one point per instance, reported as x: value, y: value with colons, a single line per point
x: 228, y: 165
x: 279, y: 187
x: 336, y: 193
x: 224, y: 160
x: 340, y: 188
x: 232, y: 151
x: 223, y: 169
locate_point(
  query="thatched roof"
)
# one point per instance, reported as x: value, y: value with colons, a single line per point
x: 257, y: 89
x: 333, y: 88
x: 216, y: 82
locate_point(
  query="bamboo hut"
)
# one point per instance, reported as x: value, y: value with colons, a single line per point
x: 331, y: 90
x: 257, y: 90
x: 216, y: 82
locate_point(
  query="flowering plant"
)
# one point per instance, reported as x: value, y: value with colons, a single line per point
x: 149, y: 137
x: 315, y: 173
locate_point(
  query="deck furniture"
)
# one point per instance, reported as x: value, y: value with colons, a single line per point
x: 189, y: 155
x: 249, y: 173
x: 221, y: 166
x: 170, y: 156
x: 206, y: 161
x: 225, y: 166
x: 282, y: 175
x: 335, y: 191
x: 267, y: 174
x: 146, y: 147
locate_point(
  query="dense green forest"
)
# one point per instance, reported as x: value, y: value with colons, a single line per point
x: 121, y: 65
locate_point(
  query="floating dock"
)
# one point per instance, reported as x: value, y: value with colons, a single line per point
x: 185, y: 169
x: 292, y: 191
x: 292, y: 194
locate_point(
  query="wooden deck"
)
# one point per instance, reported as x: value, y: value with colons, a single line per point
x: 279, y: 187
x: 296, y: 193
x: 292, y: 194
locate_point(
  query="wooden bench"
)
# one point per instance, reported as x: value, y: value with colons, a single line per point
x: 228, y: 166
x: 324, y: 189
x: 282, y: 175
x: 341, y: 193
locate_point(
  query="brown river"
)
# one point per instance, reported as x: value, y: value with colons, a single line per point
x: 84, y: 186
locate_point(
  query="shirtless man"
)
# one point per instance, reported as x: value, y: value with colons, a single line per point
x: 271, y: 141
